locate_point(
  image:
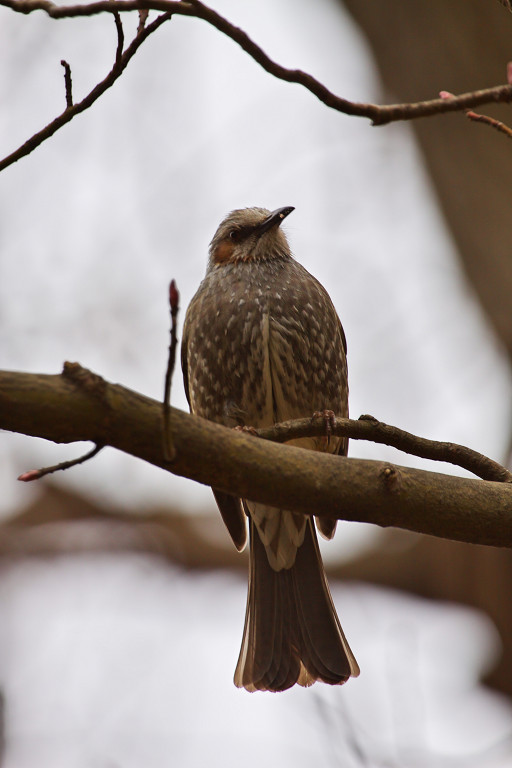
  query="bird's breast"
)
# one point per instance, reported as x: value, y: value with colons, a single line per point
x: 264, y: 344
x: 227, y: 331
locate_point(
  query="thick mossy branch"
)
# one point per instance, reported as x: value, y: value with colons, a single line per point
x: 79, y: 405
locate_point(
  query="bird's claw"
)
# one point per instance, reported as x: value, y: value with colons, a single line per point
x: 246, y: 430
x: 329, y: 418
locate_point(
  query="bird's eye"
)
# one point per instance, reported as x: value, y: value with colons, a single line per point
x: 238, y: 234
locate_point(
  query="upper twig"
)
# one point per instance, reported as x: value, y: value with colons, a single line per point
x: 121, y: 62
x: 68, y: 83
x: 378, y: 114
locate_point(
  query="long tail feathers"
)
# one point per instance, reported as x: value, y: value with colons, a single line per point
x: 292, y: 633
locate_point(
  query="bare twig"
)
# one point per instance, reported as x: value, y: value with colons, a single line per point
x: 120, y: 38
x: 68, y: 83
x: 174, y: 300
x: 477, y: 118
x: 143, y: 17
x: 36, y: 474
x: 121, y: 62
x: 497, y: 124
x: 378, y: 114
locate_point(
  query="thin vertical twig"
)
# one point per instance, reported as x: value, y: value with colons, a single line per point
x: 174, y: 299
x: 68, y: 83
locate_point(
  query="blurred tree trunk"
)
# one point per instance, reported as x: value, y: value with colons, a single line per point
x: 422, y: 47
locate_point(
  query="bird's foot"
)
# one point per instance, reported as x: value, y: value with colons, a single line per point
x: 247, y: 430
x: 329, y: 418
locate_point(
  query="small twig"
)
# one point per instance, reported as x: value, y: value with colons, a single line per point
x: 120, y: 37
x: 37, y: 474
x: 68, y: 83
x: 174, y: 300
x: 121, y: 62
x: 477, y: 118
x: 368, y: 428
x: 143, y: 17
x: 489, y: 121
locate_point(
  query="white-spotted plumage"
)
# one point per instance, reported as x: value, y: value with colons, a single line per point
x: 279, y: 354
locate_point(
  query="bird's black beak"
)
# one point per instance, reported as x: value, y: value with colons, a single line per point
x: 274, y: 219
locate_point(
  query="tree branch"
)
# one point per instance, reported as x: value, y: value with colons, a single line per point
x: 368, y: 428
x: 79, y: 405
x: 121, y: 62
x: 378, y: 114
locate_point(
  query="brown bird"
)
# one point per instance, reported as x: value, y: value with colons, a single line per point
x: 262, y: 343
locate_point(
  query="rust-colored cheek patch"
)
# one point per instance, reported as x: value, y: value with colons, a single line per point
x: 223, y: 252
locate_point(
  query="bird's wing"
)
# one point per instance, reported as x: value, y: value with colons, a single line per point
x: 230, y: 507
x: 343, y: 337
x: 184, y: 363
x: 296, y: 343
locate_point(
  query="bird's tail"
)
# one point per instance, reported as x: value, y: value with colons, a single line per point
x: 292, y: 633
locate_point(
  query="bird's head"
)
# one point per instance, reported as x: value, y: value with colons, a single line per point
x: 250, y: 234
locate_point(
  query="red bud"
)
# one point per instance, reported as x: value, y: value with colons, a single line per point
x: 174, y: 296
x: 31, y: 474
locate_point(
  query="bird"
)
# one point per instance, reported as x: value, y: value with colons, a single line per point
x: 262, y: 343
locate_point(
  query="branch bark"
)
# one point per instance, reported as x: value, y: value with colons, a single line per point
x: 369, y: 428
x: 79, y: 405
